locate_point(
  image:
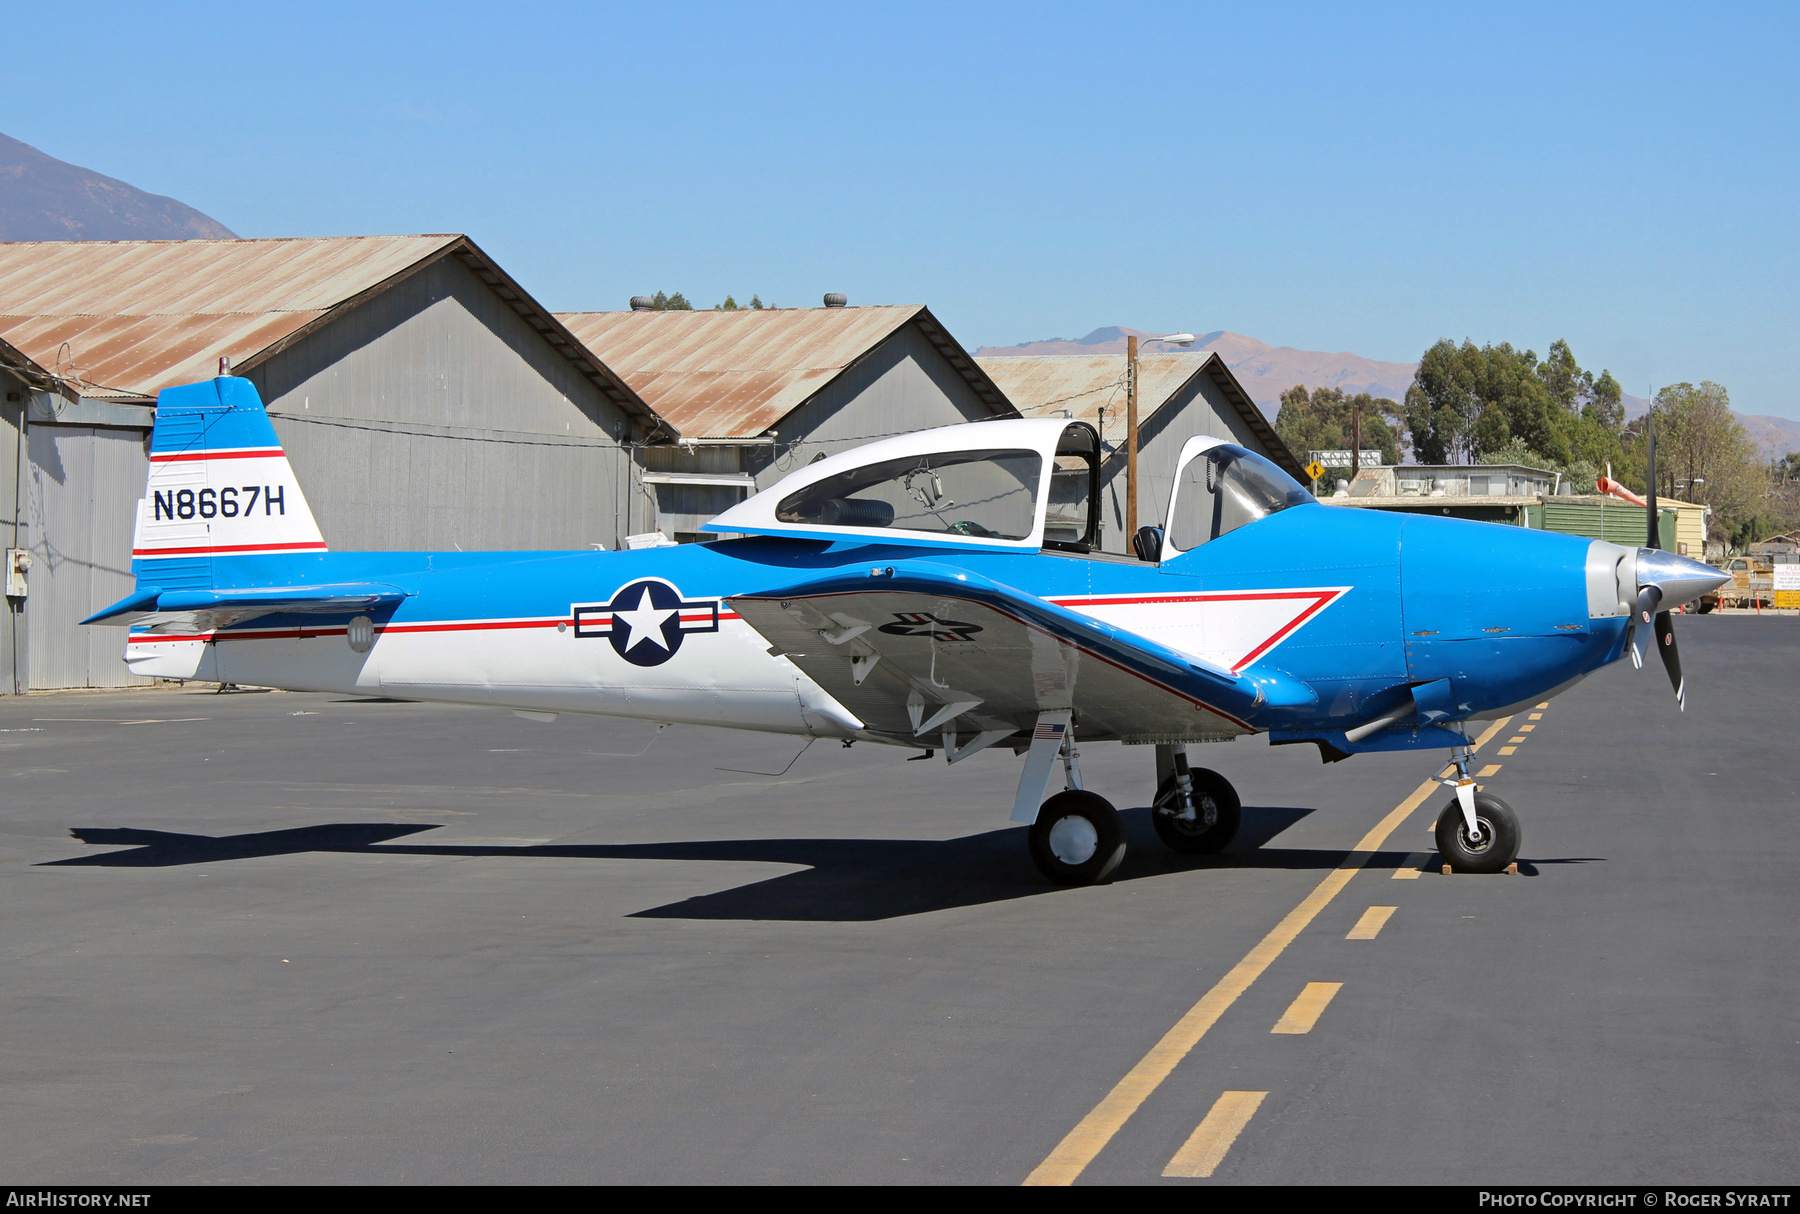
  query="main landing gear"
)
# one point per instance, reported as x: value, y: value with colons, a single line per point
x: 1078, y: 839
x: 1196, y: 811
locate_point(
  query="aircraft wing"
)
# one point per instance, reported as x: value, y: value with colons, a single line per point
x: 921, y: 648
x: 198, y: 611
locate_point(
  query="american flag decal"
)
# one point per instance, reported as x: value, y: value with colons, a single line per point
x: 1050, y: 731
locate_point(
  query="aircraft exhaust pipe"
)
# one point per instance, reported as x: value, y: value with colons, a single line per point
x: 1379, y: 723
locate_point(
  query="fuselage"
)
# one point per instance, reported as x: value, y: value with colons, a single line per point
x: 1357, y: 604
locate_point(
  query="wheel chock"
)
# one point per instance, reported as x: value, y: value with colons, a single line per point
x: 1512, y: 870
x: 1446, y: 870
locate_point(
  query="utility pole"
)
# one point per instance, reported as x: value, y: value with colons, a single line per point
x: 1131, y: 437
x: 1131, y: 423
x: 1355, y: 440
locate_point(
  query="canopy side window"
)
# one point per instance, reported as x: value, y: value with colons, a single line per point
x: 1072, y: 517
x: 1223, y: 488
x: 991, y: 494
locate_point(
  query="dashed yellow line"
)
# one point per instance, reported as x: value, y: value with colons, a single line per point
x: 1078, y: 1148
x: 1371, y: 923
x: 1537, y: 716
x: 1307, y: 1007
x: 1526, y: 728
x: 1491, y: 769
x: 1506, y: 750
x: 1412, y: 867
x: 1206, y: 1146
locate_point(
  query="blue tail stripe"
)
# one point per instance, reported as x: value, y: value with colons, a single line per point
x: 220, y: 413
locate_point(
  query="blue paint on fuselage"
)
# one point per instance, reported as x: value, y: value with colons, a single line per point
x: 1499, y: 611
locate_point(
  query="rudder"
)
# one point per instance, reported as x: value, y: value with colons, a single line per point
x: 220, y: 487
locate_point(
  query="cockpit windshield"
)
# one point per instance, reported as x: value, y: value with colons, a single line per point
x: 986, y: 494
x: 1224, y: 488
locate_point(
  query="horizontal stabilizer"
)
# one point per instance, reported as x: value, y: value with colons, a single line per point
x: 208, y: 610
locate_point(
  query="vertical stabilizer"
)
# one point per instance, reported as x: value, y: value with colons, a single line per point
x: 220, y: 487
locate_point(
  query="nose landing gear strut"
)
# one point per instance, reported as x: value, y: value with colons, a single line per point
x: 1477, y: 832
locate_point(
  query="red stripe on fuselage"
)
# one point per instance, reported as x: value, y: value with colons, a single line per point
x: 255, y: 634
x: 304, y: 546
x: 183, y: 457
x: 1222, y: 596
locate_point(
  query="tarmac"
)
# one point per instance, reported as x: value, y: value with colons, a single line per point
x: 294, y: 938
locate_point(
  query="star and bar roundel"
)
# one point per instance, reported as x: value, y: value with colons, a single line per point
x: 647, y: 620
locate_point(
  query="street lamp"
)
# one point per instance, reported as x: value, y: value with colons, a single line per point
x: 1131, y: 423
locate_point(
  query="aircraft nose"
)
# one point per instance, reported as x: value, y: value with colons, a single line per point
x: 1681, y: 579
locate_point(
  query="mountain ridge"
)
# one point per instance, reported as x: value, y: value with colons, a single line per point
x: 43, y: 198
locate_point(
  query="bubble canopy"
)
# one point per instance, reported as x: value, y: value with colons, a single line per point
x: 983, y: 484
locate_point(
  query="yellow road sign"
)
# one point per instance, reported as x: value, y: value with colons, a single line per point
x: 1315, y: 469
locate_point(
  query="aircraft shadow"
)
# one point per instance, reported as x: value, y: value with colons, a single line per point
x: 843, y: 880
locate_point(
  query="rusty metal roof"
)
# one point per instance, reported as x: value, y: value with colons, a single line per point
x: 737, y: 374
x: 130, y: 317
x: 16, y: 361
x: 1081, y: 385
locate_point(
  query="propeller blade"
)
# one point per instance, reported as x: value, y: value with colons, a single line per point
x: 1650, y: 480
x: 1665, y: 641
x: 1641, y: 612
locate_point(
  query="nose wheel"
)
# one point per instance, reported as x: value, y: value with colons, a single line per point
x: 1490, y: 846
x: 1077, y: 838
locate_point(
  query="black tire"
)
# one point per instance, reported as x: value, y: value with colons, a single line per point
x: 1195, y: 838
x: 1501, y: 836
x: 1077, y: 838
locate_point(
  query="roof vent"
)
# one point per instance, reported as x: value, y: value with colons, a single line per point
x: 642, y: 303
x: 835, y: 299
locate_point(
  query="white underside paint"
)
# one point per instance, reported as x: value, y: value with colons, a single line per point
x: 726, y: 679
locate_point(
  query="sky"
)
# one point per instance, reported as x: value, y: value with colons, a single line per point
x: 1367, y: 178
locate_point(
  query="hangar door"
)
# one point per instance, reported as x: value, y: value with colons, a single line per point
x: 82, y: 485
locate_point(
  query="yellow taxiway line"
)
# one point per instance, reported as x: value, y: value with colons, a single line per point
x: 1307, y: 1007
x: 1373, y: 920
x: 1206, y: 1146
x: 1081, y: 1145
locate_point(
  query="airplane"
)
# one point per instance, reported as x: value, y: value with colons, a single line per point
x: 942, y: 590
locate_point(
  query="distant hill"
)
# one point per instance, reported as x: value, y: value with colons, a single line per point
x: 43, y: 198
x: 1267, y: 371
x: 1775, y: 435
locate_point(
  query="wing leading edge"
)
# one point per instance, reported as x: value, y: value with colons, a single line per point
x: 920, y: 648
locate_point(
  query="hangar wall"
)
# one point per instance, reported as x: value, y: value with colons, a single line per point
x: 12, y: 427
x: 1199, y: 407
x: 78, y: 498
x: 901, y: 385
x: 431, y: 416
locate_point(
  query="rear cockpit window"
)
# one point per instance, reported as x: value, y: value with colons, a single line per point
x: 1227, y: 487
x: 1070, y: 519
x: 981, y: 494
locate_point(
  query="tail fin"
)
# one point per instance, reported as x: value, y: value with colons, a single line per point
x: 222, y: 502
x: 220, y: 488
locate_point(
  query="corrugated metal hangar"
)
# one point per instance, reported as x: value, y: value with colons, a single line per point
x: 428, y: 402
x: 749, y: 395
x: 1179, y: 396
x: 425, y: 399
